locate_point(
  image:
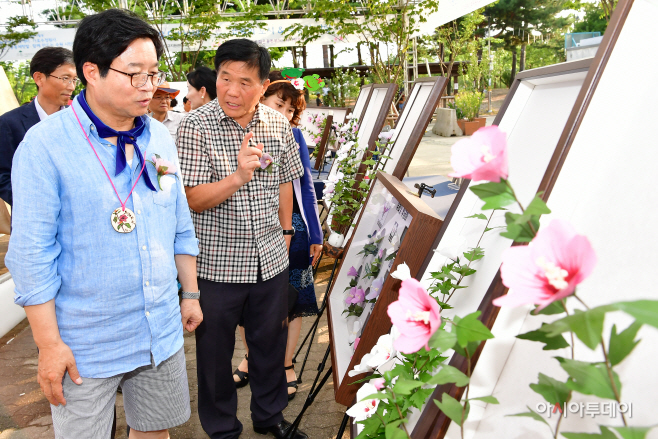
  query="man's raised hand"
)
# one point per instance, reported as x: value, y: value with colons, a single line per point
x: 248, y: 159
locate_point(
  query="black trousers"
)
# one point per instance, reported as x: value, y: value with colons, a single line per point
x: 263, y: 308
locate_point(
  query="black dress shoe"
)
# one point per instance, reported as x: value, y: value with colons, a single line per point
x: 280, y: 430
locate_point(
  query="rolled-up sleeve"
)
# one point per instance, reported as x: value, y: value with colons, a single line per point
x: 186, y: 242
x: 33, y: 248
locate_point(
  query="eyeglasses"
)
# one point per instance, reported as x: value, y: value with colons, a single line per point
x: 160, y: 98
x: 66, y: 80
x: 139, y: 79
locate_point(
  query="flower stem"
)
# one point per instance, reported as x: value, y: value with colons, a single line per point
x: 532, y: 228
x: 469, y: 262
x: 397, y: 407
x: 468, y: 387
x: 608, y: 367
x: 557, y: 427
x: 564, y: 304
x: 580, y: 300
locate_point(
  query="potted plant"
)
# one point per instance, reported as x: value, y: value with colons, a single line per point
x: 469, y: 102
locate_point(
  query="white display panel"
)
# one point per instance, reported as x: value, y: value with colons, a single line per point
x: 540, y: 105
x: 361, y: 100
x: 383, y: 225
x: 618, y: 218
x: 375, y: 108
x: 410, y: 114
x: 10, y: 313
x: 309, y: 130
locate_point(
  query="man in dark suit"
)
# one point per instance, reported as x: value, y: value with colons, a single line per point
x: 53, y: 71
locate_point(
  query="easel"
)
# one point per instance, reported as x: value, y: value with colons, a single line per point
x: 313, y: 393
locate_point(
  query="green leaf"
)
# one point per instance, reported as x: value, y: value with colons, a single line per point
x: 451, y: 408
x: 644, y: 311
x: 535, y: 209
x: 474, y: 254
x: 587, y: 325
x: 391, y: 429
x: 494, y: 195
x: 552, y: 390
x: 540, y: 335
x: 589, y: 379
x: 554, y: 308
x: 605, y: 434
x: 623, y: 343
x: 519, y: 232
x: 632, y: 432
x: 418, y: 398
x: 488, y: 399
x: 449, y: 374
x: 531, y: 414
x: 471, y: 348
x: 442, y: 340
x: 479, y: 216
x: 470, y: 329
x: 404, y: 386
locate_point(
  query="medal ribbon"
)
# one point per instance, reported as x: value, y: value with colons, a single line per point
x: 123, y: 203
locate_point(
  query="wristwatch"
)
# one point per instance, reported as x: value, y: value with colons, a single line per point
x: 188, y: 295
x: 289, y: 232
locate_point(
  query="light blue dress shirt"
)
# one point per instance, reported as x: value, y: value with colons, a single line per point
x: 115, y: 293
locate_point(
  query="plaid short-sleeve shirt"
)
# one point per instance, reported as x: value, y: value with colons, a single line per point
x: 243, y: 231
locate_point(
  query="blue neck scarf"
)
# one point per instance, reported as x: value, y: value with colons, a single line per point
x: 123, y: 137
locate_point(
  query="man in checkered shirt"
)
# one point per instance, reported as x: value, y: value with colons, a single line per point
x: 240, y: 212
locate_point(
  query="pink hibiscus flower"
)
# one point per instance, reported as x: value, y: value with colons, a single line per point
x: 265, y: 160
x: 352, y: 272
x: 416, y: 315
x: 483, y: 156
x: 548, y: 269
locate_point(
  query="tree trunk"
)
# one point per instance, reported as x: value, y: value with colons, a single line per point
x: 331, y: 56
x: 304, y: 56
x: 295, y: 62
x: 325, y: 55
x: 358, y: 54
x: 513, y: 74
x: 522, y: 58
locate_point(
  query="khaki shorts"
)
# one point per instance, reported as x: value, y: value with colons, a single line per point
x: 155, y: 398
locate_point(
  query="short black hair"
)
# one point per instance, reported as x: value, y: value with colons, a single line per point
x: 204, y: 77
x: 185, y: 99
x: 242, y: 49
x: 102, y: 37
x: 173, y: 103
x: 47, y: 60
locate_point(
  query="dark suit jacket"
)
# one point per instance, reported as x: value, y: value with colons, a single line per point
x: 13, y: 126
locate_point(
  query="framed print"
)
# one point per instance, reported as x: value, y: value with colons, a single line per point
x: 395, y: 226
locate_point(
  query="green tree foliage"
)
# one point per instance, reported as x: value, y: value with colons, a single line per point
x: 188, y: 25
x: 18, y: 29
x: 594, y: 20
x: 19, y: 78
x: 514, y: 22
x: 343, y: 85
x: 385, y: 26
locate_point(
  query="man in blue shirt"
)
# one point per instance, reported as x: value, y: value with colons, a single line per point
x: 101, y: 229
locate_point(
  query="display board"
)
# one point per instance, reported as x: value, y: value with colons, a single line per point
x: 372, y: 121
x: 306, y: 124
x: 362, y: 101
x: 540, y: 101
x: 395, y: 226
x: 8, y: 99
x: 412, y: 123
x: 582, y: 187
